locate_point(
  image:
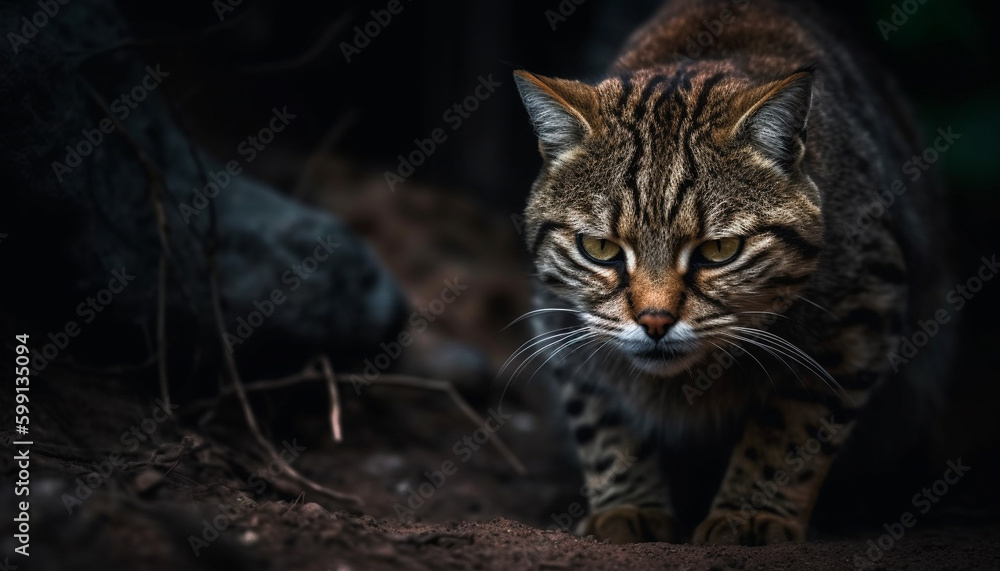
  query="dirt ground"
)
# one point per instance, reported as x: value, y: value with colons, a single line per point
x: 197, y: 497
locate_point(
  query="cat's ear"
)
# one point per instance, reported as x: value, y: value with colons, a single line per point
x: 775, y: 118
x: 563, y: 112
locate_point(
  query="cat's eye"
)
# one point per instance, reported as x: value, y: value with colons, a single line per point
x: 600, y: 250
x: 718, y: 251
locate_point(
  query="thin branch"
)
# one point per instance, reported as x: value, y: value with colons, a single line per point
x: 157, y: 188
x: 309, y: 374
x: 463, y: 405
x: 306, y: 57
x: 248, y: 414
x: 234, y: 374
x: 161, y: 330
x: 113, y: 371
x: 331, y: 384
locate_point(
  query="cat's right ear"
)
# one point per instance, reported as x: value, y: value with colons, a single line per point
x: 563, y: 112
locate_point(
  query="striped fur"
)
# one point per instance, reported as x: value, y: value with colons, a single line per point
x: 777, y: 136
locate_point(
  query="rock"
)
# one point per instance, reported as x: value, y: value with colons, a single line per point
x: 80, y: 226
x: 147, y: 480
x: 249, y: 538
x: 313, y: 510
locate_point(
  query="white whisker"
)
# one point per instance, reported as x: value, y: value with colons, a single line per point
x: 563, y: 337
x: 762, y: 367
x: 591, y: 356
x: 794, y: 352
x: 767, y: 350
x: 535, y: 312
x: 529, y: 343
x: 817, y: 306
x: 765, y: 313
x: 588, y: 338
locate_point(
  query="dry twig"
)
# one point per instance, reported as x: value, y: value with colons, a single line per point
x: 331, y: 384
x: 248, y: 414
x: 463, y: 405
x: 230, y: 361
x: 309, y: 373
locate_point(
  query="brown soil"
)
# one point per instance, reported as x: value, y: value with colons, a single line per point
x: 154, y: 512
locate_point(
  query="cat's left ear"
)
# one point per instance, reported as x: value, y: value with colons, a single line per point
x: 563, y: 112
x: 775, y: 117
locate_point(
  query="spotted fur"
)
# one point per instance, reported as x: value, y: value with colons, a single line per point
x: 775, y: 134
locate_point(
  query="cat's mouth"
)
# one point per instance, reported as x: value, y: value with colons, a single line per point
x: 665, y: 357
x: 665, y: 360
x: 664, y: 353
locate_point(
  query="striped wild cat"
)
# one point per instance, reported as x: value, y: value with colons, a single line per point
x: 714, y: 313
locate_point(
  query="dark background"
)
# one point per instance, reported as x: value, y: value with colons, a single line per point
x: 430, y: 55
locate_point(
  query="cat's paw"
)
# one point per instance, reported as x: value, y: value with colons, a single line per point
x: 731, y: 528
x: 629, y: 524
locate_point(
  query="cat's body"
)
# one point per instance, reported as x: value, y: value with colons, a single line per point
x: 770, y: 143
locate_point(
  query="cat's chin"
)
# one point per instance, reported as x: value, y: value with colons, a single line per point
x: 663, y: 365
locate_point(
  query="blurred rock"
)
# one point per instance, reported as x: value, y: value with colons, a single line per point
x: 79, y: 222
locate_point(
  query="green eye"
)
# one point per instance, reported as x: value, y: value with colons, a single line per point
x: 719, y: 251
x: 600, y: 250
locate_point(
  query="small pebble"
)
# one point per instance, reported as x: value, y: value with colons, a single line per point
x: 146, y: 480
x: 249, y: 537
x: 314, y: 510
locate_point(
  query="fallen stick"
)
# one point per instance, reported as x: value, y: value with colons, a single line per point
x: 405, y: 381
x: 331, y: 384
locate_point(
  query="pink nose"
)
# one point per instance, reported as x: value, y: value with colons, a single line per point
x: 656, y: 323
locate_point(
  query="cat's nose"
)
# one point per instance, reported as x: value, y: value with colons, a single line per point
x: 656, y: 323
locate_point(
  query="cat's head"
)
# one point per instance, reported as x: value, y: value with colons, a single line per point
x: 672, y: 209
